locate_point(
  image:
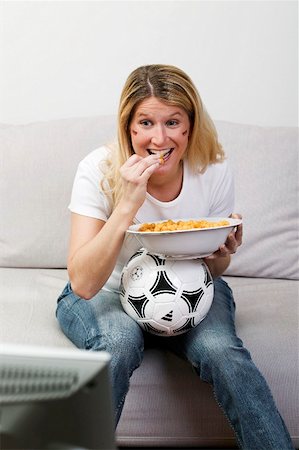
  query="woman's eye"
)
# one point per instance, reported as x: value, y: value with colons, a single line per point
x: 145, y: 123
x: 172, y: 123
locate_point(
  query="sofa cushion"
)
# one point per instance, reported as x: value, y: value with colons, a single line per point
x: 38, y: 163
x: 28, y: 300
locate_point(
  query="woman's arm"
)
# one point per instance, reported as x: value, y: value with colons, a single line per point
x: 94, y: 248
x: 217, y: 266
x: 95, y: 244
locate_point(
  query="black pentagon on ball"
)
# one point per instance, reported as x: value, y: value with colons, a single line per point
x: 208, y: 279
x: 151, y: 329
x: 162, y: 285
x: 159, y: 261
x: 122, y: 288
x: 138, y: 304
x: 192, y: 298
x: 138, y: 253
x: 186, y: 327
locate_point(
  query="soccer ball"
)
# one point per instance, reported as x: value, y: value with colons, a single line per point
x: 168, y: 296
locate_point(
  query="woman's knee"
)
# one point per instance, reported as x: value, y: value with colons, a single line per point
x: 75, y: 317
x: 99, y: 323
x: 223, y: 355
x: 123, y: 340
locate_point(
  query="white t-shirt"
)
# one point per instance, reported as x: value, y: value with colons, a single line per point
x: 202, y: 195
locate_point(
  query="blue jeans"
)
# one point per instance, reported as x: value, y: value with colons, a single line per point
x: 213, y: 348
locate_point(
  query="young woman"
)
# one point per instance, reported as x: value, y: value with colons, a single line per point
x: 167, y: 164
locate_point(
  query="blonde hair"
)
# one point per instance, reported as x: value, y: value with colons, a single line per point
x: 174, y: 87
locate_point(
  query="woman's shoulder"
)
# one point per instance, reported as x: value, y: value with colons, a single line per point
x: 219, y: 166
x: 95, y: 162
x: 96, y: 156
x: 219, y: 169
x: 212, y: 171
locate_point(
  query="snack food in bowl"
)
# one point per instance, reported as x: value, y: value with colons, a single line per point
x: 184, y: 238
x: 170, y: 225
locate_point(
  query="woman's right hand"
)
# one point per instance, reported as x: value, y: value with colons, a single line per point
x: 135, y: 173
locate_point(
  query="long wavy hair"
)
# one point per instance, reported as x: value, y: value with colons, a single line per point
x: 174, y: 87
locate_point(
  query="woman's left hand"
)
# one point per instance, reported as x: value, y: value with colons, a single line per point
x: 233, y: 241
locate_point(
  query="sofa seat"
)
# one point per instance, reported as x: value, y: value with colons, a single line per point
x: 167, y: 404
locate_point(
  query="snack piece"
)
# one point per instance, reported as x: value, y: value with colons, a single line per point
x: 170, y: 225
x: 161, y: 156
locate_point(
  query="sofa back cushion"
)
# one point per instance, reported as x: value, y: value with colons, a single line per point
x: 265, y: 165
x: 38, y: 165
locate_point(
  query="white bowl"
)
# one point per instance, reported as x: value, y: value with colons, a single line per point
x: 193, y: 243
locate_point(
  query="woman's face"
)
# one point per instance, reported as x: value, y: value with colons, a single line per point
x: 162, y: 129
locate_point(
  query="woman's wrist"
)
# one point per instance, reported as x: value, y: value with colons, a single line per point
x: 218, y: 265
x: 126, y: 212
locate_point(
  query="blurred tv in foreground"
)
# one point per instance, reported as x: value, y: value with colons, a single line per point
x: 52, y: 398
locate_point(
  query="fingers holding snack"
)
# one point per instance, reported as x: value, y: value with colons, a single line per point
x: 137, y: 169
x: 135, y: 173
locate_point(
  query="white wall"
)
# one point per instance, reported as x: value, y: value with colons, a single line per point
x: 70, y: 59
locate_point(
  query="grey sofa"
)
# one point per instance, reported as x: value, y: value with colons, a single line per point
x: 167, y: 405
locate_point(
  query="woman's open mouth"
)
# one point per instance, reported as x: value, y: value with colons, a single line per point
x: 164, y: 155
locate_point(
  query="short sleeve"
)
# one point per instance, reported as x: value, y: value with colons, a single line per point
x: 87, y: 197
x: 222, y: 195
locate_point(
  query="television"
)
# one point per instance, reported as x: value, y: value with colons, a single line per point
x: 54, y: 398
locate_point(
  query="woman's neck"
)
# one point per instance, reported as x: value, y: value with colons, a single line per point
x: 166, y: 190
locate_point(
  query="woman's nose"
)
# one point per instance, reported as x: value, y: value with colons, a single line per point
x: 159, y: 135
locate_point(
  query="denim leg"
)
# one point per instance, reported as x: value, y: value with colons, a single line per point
x: 101, y: 324
x: 220, y: 359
